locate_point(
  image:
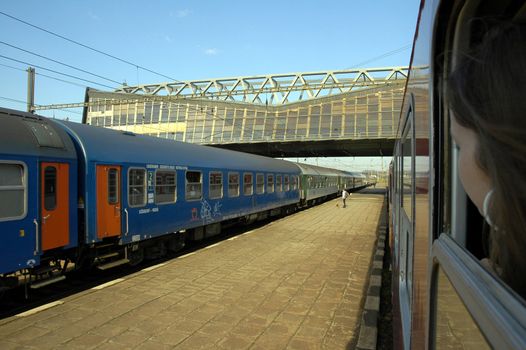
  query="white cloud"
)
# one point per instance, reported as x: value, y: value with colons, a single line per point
x: 93, y: 16
x: 211, y: 52
x: 182, y: 13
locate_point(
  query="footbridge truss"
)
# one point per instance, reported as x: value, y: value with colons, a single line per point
x: 333, y: 113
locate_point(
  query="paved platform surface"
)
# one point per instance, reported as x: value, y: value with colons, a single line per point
x: 297, y: 283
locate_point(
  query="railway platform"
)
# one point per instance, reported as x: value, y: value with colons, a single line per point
x: 299, y: 282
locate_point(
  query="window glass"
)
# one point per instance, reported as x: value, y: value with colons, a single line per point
x: 294, y: 182
x: 248, y: 185
x: 137, y: 187
x: 11, y: 175
x: 260, y: 183
x: 286, y: 183
x: 165, y: 186
x: 50, y: 188
x: 270, y: 183
x: 216, y: 185
x: 279, y: 188
x: 113, y: 186
x: 233, y: 184
x: 194, y: 185
x: 451, y: 311
x: 12, y: 191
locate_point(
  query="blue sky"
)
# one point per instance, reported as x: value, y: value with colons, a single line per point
x: 189, y: 40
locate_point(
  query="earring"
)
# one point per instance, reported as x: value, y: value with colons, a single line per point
x: 485, y: 208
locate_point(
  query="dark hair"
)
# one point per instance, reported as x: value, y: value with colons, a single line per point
x: 487, y: 92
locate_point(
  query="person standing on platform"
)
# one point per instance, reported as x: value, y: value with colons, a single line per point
x: 345, y: 194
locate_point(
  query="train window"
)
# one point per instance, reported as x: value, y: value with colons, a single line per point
x: 279, y: 187
x: 233, y: 184
x: 248, y: 185
x: 50, y: 188
x: 270, y: 183
x: 12, y: 191
x: 286, y: 183
x: 472, y: 307
x: 294, y: 182
x: 215, y: 189
x: 113, y: 186
x: 194, y: 185
x: 165, y: 186
x: 136, y: 187
x: 407, y: 175
x: 450, y: 310
x: 260, y: 183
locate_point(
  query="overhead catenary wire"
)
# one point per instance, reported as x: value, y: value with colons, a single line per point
x: 86, y: 46
x: 56, y: 72
x: 61, y: 63
x: 45, y: 75
x: 387, y: 54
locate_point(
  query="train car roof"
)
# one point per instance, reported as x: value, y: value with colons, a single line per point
x: 308, y: 169
x: 113, y: 146
x: 356, y: 174
x: 27, y: 134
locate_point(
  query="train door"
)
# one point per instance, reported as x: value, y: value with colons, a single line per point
x: 108, y: 201
x: 54, y: 205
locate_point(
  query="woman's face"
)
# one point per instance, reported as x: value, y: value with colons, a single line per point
x: 475, y: 181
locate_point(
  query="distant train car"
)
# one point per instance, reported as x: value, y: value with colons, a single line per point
x: 74, y: 193
x: 137, y: 188
x: 359, y: 179
x: 348, y: 180
x: 443, y: 298
x: 317, y: 183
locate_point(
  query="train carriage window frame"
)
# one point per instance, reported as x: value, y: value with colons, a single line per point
x: 50, y: 187
x: 294, y: 182
x: 270, y: 183
x: 248, y: 184
x: 286, y: 184
x: 233, y: 184
x: 496, y: 309
x: 193, y: 188
x: 279, y: 184
x: 408, y: 170
x: 260, y: 183
x: 136, y: 186
x: 165, y: 192
x: 113, y: 186
x: 19, y: 187
x: 215, y: 185
x: 406, y: 159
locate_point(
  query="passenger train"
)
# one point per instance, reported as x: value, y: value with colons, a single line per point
x: 443, y: 298
x: 75, y: 193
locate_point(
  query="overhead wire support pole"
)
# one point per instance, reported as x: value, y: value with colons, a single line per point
x: 31, y: 90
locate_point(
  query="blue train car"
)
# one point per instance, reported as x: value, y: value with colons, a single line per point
x: 38, y: 192
x: 135, y: 188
